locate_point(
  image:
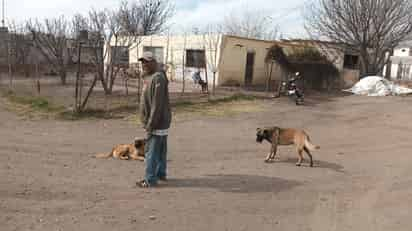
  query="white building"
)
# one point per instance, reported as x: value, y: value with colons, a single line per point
x: 236, y: 60
x: 402, y: 61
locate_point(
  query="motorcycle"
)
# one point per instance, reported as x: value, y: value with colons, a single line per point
x: 293, y: 91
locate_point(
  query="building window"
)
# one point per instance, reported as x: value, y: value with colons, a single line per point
x: 121, y: 55
x: 157, y: 52
x: 195, y: 58
x: 351, y: 62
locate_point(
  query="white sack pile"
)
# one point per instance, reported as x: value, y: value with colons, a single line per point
x: 378, y: 86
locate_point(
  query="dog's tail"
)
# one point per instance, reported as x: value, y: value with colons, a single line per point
x: 309, y: 145
x: 103, y: 155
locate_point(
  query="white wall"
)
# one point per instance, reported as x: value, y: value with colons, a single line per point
x: 174, y: 54
x: 401, y: 51
x: 394, y: 73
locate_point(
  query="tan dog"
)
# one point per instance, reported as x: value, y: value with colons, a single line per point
x: 286, y: 136
x: 126, y: 151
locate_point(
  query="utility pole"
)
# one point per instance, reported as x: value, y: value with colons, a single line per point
x: 78, y: 80
x: 2, y: 17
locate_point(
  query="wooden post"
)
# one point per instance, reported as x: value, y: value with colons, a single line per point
x: 270, y: 73
x: 126, y: 86
x: 10, y: 77
x: 167, y: 53
x: 9, y: 66
x: 37, y: 78
x: 183, y: 65
x: 206, y: 76
x: 138, y: 75
x: 77, y: 100
x: 214, y: 82
x: 207, y: 80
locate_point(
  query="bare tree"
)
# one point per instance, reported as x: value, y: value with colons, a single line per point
x: 97, y: 38
x: 373, y: 27
x: 93, y: 44
x: 250, y: 24
x: 21, y: 44
x: 50, y: 38
x: 144, y: 17
x: 105, y: 30
x: 120, y: 29
x: 103, y: 27
x: 79, y: 23
x: 119, y: 40
x: 275, y: 58
x: 212, y: 40
x: 155, y: 14
x: 184, y: 63
x: 130, y: 19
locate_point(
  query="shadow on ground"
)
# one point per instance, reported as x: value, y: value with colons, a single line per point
x: 315, y: 98
x: 316, y: 164
x: 236, y: 183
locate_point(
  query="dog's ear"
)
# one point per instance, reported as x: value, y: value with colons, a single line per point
x: 258, y: 129
x: 139, y: 142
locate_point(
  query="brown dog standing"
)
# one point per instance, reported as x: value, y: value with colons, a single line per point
x: 286, y: 136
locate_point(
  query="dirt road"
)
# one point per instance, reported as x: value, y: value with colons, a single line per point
x: 362, y: 179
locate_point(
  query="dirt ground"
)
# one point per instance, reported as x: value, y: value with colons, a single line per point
x: 362, y: 179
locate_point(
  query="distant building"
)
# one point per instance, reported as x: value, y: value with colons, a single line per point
x: 237, y: 60
x: 402, y: 62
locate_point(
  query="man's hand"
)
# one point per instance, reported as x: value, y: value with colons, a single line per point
x: 148, y: 134
x: 148, y: 129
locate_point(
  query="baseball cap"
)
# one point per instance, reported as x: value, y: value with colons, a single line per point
x: 147, y: 56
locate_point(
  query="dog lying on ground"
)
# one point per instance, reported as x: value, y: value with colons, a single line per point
x: 133, y: 151
x: 286, y: 136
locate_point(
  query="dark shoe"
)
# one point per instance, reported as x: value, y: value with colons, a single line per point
x: 143, y: 184
x: 163, y: 178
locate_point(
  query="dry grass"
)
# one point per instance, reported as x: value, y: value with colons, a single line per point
x: 223, y: 107
x: 228, y: 106
x: 30, y: 107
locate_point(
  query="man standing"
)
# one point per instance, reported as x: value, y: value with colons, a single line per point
x: 196, y: 77
x: 156, y: 117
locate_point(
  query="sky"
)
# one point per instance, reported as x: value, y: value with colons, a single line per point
x: 188, y: 13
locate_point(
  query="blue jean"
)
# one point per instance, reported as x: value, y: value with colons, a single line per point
x: 155, y: 158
